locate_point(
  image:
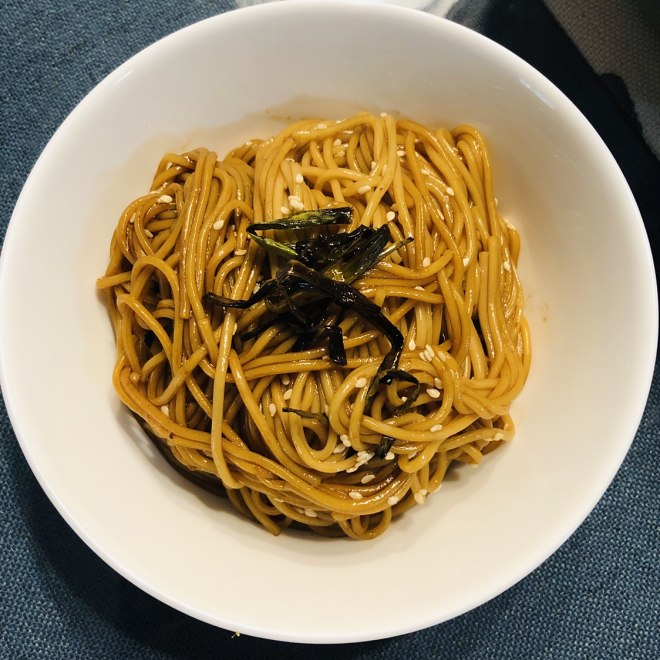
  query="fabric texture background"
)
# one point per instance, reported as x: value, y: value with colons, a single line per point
x: 596, y: 597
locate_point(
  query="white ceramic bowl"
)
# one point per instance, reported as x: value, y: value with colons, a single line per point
x: 586, y: 267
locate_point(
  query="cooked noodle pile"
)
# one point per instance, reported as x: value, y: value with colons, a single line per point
x: 216, y: 403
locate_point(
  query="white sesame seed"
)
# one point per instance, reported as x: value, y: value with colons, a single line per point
x: 362, y: 190
x: 285, y: 210
x: 356, y: 495
x: 165, y: 410
x: 148, y: 233
x: 288, y: 394
x: 299, y: 178
x: 272, y: 409
x: 466, y: 261
x: 450, y: 191
x: 423, y: 356
x: 360, y: 383
x: 164, y: 199
x: 373, y: 164
x: 341, y: 153
x: 401, y: 153
x: 499, y: 436
x: 257, y: 286
x: 352, y: 469
x: 132, y: 219
x: 419, y: 498
x: 429, y: 353
x: 295, y: 203
x: 391, y: 501
x: 426, y: 262
x: 437, y: 382
x: 507, y: 266
x: 423, y: 491
x: 344, y: 440
x: 436, y: 427
x: 286, y: 379
x: 390, y: 215
x: 390, y: 456
x: 364, y: 456
x: 411, y: 345
x: 310, y: 513
x: 218, y: 224
x: 338, y: 449
x: 419, y: 288
x: 336, y: 143
x: 367, y: 478
x: 433, y: 393
x: 383, y: 114
x: 240, y: 252
x: 404, y: 398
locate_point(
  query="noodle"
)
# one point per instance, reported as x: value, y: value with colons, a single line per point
x: 216, y: 403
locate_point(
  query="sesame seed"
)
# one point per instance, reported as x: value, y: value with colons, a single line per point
x: 165, y: 410
x: 383, y: 114
x: 256, y: 288
x: 286, y: 379
x: 148, y: 233
x: 426, y: 262
x: 367, y: 478
x: 354, y: 494
x: 433, y: 393
x: 428, y: 350
x: 164, y: 199
x: 373, y: 164
x: 338, y: 449
x: 419, y: 288
x: 401, y: 153
x: 288, y: 394
x: 341, y: 153
x: 506, y: 265
x: 419, y: 498
x: 299, y: 178
x: 285, y: 210
x: 344, y: 440
x: 362, y: 190
x: 364, y: 456
x: 436, y: 427
x: 272, y: 409
x: 390, y: 456
x: 218, y: 224
x: 423, y: 491
x: 390, y: 215
x: 360, y: 383
x: 424, y: 356
x: 450, y: 191
x: 466, y: 261
x: 352, y: 469
x: 411, y: 345
x: 240, y: 252
x: 404, y: 398
x: 310, y: 513
x: 391, y: 501
x: 336, y: 143
x: 132, y: 219
x: 437, y: 382
x: 499, y: 436
x: 295, y: 203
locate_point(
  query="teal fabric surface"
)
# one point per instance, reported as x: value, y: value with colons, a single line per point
x: 598, y: 596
